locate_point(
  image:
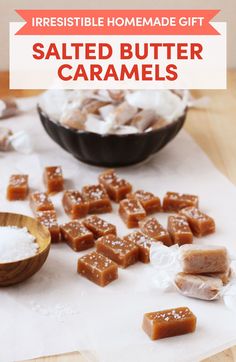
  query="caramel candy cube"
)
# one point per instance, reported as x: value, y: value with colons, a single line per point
x: 179, y: 230
x: 200, y: 223
x: 39, y: 201
x: 17, y: 188
x: 53, y: 179
x: 169, y: 323
x: 97, y: 199
x: 224, y: 277
x: 198, y: 286
x: 98, y: 226
x: 48, y: 218
x: 97, y: 268
x: 200, y: 259
x: 74, y: 204
x: 173, y: 201
x: 131, y: 211
x: 143, y: 242
x: 149, y: 202
x: 152, y: 228
x: 122, y: 252
x: 77, y: 236
x: 116, y: 187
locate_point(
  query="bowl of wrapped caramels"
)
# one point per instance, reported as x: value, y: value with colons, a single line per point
x: 112, y: 127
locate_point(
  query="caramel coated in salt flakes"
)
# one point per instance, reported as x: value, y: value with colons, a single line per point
x: 77, y: 236
x: 143, y: 242
x: 74, y: 204
x: 18, y: 187
x: 53, y: 179
x: 174, y: 201
x: 122, y: 252
x: 39, y: 201
x: 48, y: 218
x: 148, y: 200
x: 98, y: 226
x: 97, y: 268
x: 169, y: 323
x: 201, y: 224
x: 131, y: 212
x: 179, y: 230
x: 117, y: 188
x: 97, y: 199
x: 152, y: 228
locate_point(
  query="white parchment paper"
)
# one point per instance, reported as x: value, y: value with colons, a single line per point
x: 57, y: 311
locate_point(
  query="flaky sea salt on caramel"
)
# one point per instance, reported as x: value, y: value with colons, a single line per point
x: 179, y: 230
x: 53, y: 179
x: 17, y: 188
x: 98, y: 226
x: 131, y: 212
x: 48, y: 218
x: 77, y: 236
x: 97, y: 268
x: 200, y: 259
x: 152, y: 228
x: 201, y: 224
x: 97, y: 199
x: 39, y: 201
x: 150, y: 202
x: 143, y: 242
x: 173, y: 201
x: 116, y: 187
x: 122, y: 252
x: 169, y: 323
x: 74, y: 204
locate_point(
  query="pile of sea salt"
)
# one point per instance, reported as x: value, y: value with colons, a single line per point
x: 16, y: 244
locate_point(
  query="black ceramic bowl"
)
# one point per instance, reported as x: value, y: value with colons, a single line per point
x: 110, y: 150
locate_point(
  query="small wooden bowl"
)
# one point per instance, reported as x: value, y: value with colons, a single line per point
x: 18, y: 271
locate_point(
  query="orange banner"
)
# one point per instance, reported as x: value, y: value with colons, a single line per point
x: 117, y: 22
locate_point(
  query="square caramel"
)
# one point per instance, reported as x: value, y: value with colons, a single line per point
x: 53, y: 179
x: 174, y: 201
x: 77, y: 236
x: 39, y: 201
x: 97, y: 199
x: 143, y: 242
x: 74, y: 204
x: 203, y: 259
x: 149, y: 201
x: 97, y: 268
x: 198, y: 286
x: 169, y: 323
x: 116, y: 187
x: 152, y: 228
x: 131, y: 212
x: 179, y: 230
x: 98, y: 226
x: 201, y: 224
x: 48, y: 219
x: 122, y: 252
x: 17, y: 188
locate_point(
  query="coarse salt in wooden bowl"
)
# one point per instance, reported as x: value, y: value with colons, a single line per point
x: 17, y: 271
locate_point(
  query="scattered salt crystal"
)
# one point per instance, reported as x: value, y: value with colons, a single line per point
x: 16, y: 244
